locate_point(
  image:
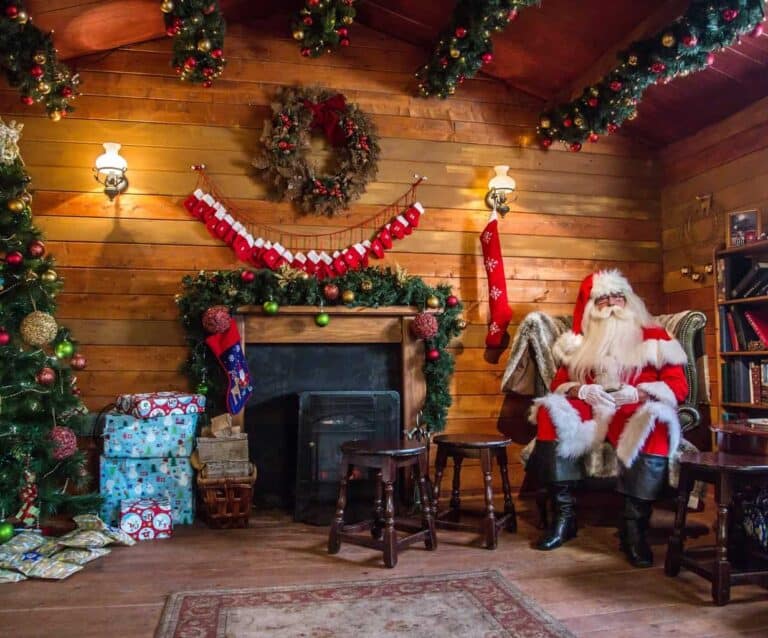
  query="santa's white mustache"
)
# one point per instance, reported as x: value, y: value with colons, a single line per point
x: 620, y: 312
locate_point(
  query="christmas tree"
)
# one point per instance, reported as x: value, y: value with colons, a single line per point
x: 40, y: 408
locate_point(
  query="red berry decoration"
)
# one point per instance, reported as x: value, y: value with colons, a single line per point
x: 593, y: 102
x: 575, y: 147
x: 593, y: 137
x: 567, y: 122
x: 36, y: 248
x: 460, y: 32
x: 216, y: 319
x: 27, y: 99
x: 451, y: 301
x: 65, y: 441
x: 433, y: 354
x: 14, y: 258
x: 45, y: 376
x: 78, y: 362
x: 12, y: 11
x: 487, y: 58
x: 331, y: 292
x: 5, y: 337
x: 247, y: 276
x: 546, y: 142
x: 424, y: 325
x: 616, y: 86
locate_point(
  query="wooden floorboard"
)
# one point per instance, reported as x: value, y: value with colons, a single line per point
x: 587, y: 585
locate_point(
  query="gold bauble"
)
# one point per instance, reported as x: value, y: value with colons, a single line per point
x: 632, y: 115
x: 366, y: 285
x: 44, y: 88
x: 347, y: 20
x: 545, y: 122
x: 579, y: 121
x: 22, y: 17
x: 30, y: 276
x: 433, y: 302
x: 15, y: 205
x: 454, y: 53
x: 632, y: 60
x: 49, y: 276
x: 55, y: 115
x: 204, y: 45
x: 166, y: 6
x: 348, y: 296
x: 594, y: 91
x: 451, y: 90
x: 462, y: 324
x: 40, y: 58
x: 38, y: 328
x: 668, y: 40
x: 298, y: 34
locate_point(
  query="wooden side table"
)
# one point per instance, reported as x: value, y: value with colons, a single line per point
x: 726, y: 471
x: 741, y: 438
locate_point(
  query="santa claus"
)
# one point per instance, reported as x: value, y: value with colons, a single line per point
x: 620, y: 379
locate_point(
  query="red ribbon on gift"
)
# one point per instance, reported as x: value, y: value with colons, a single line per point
x: 326, y: 116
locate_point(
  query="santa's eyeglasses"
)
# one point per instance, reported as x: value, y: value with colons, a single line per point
x: 605, y: 300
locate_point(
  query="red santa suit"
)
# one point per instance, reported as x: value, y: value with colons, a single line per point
x: 649, y: 427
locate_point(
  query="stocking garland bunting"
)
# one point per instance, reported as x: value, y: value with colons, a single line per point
x: 501, y: 313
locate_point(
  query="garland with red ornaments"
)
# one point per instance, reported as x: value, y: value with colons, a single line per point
x: 283, y: 162
x: 686, y: 46
x: 28, y: 58
x: 197, y: 28
x: 464, y: 46
x: 323, y: 25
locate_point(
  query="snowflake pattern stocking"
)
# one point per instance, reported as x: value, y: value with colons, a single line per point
x: 226, y: 346
x: 501, y: 314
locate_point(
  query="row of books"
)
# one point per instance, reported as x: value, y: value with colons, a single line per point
x: 745, y: 381
x: 749, y: 282
x: 743, y: 328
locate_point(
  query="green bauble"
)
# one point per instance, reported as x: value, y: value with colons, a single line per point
x: 64, y: 349
x: 202, y: 388
x: 322, y: 319
x: 6, y: 532
x: 271, y: 307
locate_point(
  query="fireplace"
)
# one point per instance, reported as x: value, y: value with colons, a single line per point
x: 361, y: 377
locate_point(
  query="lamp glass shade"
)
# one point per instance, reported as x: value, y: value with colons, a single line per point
x: 501, y: 181
x: 111, y: 161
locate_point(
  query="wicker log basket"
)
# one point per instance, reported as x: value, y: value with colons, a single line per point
x: 226, y: 502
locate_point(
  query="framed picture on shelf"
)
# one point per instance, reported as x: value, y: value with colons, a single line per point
x: 743, y: 227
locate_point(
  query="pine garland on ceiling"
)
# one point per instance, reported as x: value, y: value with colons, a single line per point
x: 687, y: 45
x: 29, y: 60
x: 197, y: 28
x: 323, y: 25
x: 465, y: 45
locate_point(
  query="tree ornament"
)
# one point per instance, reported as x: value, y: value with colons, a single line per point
x: 65, y: 442
x: 451, y: 301
x: 14, y: 258
x: 575, y: 147
x: 5, y: 337
x: 690, y: 40
x: 270, y: 307
x: 298, y: 34
x: 632, y: 60
x: 545, y: 122
x: 30, y: 276
x: 545, y: 142
x: 322, y: 319
x: 45, y: 376
x: 247, y: 276
x: 331, y: 292
x: 347, y: 20
x: 461, y: 324
x: 202, y: 388
x: 166, y: 6
x: 366, y: 285
x: 612, y: 127
x: 216, y: 319
x: 78, y: 361
x: 348, y: 296
x: 64, y: 349
x: 38, y: 328
x: 460, y: 32
x: 454, y: 53
x: 758, y: 31
x: 49, y: 276
x: 32, y: 406
x: 27, y: 100
x: 487, y: 58
x: 433, y: 354
x: 433, y: 302
x: 37, y: 71
x: 217, y: 54
x: 567, y: 122
x: 615, y: 86
x: 668, y: 40
x: 593, y: 102
x: 204, y: 45
x: 424, y: 326
x: 12, y: 11
x: 15, y: 205
x: 579, y: 121
x: 710, y: 59
x: 6, y: 532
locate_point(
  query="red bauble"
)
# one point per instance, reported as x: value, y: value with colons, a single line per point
x: 216, y: 319
x: 313, y: 3
x: 216, y: 54
x: 512, y: 15
x: 593, y: 137
x: 76, y: 391
x: 658, y: 67
x: 758, y: 31
x: 545, y: 142
x: 487, y: 58
x: 433, y: 354
x: 729, y: 15
x: 190, y: 63
x: 451, y: 301
x: 444, y: 62
x: 567, y: 122
x: 178, y: 70
x: 305, y: 52
x: 171, y: 31
x: 65, y: 442
x: 460, y: 32
x: 209, y: 9
x: 78, y: 361
x: 307, y: 20
x: 424, y: 325
x: 11, y: 11
x: 710, y: 59
x: 208, y: 72
x: 14, y: 258
x: 27, y: 99
x: 5, y: 337
x: 575, y: 147
x: 612, y: 128
x: 616, y: 86
x: 247, y: 276
x: 344, y: 42
x: 36, y: 71
x: 207, y: 84
x: 331, y: 292
x: 66, y: 91
x: 690, y: 40
x: 342, y: 31
x: 593, y: 102
x: 45, y: 376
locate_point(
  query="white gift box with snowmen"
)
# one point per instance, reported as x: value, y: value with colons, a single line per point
x: 171, y: 478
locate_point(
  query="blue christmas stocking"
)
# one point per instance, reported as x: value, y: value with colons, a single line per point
x: 226, y: 346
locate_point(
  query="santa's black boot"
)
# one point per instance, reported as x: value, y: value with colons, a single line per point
x: 557, y: 474
x: 641, y: 484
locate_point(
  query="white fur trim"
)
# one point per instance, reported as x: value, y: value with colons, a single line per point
x: 418, y: 207
x: 659, y: 391
x: 566, y: 344
x: 641, y: 424
x: 608, y: 281
x: 575, y: 437
x: 659, y: 353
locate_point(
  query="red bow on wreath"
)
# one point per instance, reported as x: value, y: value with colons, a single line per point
x: 326, y: 116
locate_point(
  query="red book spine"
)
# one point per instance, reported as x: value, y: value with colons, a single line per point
x: 760, y: 330
x: 732, y: 332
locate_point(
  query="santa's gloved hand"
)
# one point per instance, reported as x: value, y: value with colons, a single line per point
x: 596, y: 396
x: 625, y: 394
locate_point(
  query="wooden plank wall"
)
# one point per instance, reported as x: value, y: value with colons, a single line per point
x: 729, y: 161
x: 123, y: 261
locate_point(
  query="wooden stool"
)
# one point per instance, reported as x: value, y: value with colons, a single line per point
x: 486, y: 447
x: 387, y: 459
x: 726, y: 472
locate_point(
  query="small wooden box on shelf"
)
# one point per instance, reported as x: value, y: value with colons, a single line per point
x: 741, y: 320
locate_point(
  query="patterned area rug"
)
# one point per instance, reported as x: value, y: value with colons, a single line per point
x: 475, y: 604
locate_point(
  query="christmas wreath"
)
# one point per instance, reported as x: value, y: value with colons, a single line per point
x: 286, y: 139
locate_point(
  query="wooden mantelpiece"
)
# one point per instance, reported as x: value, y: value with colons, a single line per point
x: 391, y: 324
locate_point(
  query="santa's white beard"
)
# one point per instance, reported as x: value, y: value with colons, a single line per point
x: 609, y: 354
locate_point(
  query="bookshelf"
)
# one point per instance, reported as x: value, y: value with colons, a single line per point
x: 741, y: 320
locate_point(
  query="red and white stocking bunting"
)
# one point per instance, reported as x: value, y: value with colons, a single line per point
x: 263, y: 253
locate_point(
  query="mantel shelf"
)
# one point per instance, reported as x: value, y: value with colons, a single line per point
x: 384, y: 311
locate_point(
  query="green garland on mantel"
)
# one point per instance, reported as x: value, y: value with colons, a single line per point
x: 372, y: 287
x: 683, y: 47
x: 30, y: 62
x: 465, y: 44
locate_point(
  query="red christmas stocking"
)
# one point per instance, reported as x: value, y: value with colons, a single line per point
x: 501, y: 314
x: 226, y: 346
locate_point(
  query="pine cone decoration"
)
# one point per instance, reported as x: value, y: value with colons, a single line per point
x: 216, y: 319
x: 424, y: 325
x: 66, y: 442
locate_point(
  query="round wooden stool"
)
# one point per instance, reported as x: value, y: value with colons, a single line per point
x: 486, y: 447
x: 387, y: 459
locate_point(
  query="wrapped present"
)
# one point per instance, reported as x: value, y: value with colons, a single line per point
x: 146, y: 518
x: 170, y: 478
x: 161, y: 436
x: 151, y: 404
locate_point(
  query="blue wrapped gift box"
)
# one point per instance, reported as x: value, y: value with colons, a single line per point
x: 171, y: 477
x: 127, y: 436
